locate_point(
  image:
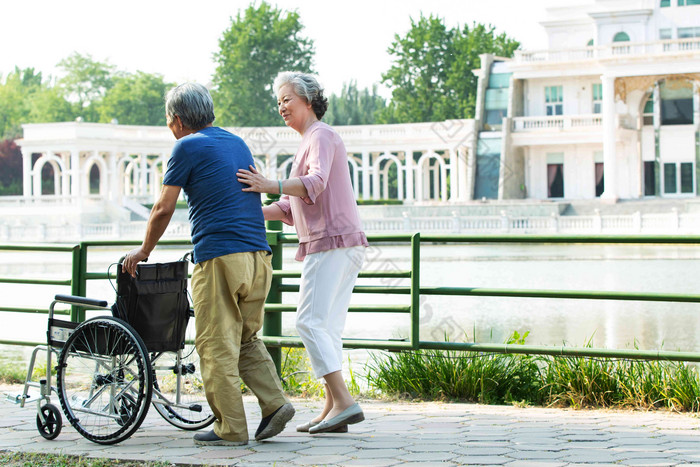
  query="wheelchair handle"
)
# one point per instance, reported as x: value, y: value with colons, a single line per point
x: 74, y: 300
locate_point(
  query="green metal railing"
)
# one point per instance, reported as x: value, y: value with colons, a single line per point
x: 272, y: 329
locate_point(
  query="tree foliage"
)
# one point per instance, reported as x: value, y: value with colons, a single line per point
x: 260, y: 43
x: 354, y: 106
x: 11, y: 164
x: 135, y: 99
x: 431, y: 78
x: 25, y: 97
x: 85, y: 84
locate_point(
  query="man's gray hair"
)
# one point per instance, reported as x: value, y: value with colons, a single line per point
x: 192, y: 103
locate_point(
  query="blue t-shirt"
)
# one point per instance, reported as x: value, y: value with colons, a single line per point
x: 223, y: 218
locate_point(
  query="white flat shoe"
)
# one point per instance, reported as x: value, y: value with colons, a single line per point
x: 349, y: 416
x: 304, y: 427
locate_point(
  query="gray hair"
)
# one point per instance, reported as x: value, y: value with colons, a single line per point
x: 305, y: 85
x: 192, y: 103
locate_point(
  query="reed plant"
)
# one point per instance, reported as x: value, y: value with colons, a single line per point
x: 578, y: 382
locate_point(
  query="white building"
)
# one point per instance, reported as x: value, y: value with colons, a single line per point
x: 611, y: 109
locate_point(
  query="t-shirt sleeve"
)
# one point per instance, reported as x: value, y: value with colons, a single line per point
x: 286, y: 208
x: 319, y: 161
x: 179, y: 167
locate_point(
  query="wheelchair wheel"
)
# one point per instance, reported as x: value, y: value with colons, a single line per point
x: 178, y: 391
x: 50, y: 426
x: 105, y: 380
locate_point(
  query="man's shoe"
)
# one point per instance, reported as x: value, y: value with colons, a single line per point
x: 352, y: 414
x: 212, y: 439
x: 274, y: 423
x: 304, y: 427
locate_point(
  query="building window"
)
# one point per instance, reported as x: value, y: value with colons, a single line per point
x: 649, y: 178
x: 665, y: 3
x: 687, y: 177
x: 665, y: 34
x: 688, y: 2
x: 555, y: 180
x: 688, y: 33
x: 599, y: 179
x: 621, y: 37
x: 554, y: 98
x: 676, y: 103
x: 597, y: 98
x: 670, y: 178
x: 648, y: 112
x: 555, y: 175
x: 675, y: 184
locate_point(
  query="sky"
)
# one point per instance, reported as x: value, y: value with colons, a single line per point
x: 178, y: 39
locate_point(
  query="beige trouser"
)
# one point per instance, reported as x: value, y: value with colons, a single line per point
x: 229, y: 297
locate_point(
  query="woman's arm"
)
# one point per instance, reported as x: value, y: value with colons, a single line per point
x: 257, y: 183
x: 273, y: 213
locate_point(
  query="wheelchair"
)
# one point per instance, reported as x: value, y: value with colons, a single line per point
x: 108, y: 374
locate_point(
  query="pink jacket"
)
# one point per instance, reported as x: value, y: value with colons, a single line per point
x: 328, y: 217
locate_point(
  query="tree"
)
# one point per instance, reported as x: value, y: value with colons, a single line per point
x: 431, y: 78
x: 135, y: 99
x: 10, y: 168
x: 26, y: 98
x: 258, y: 45
x: 354, y: 107
x: 85, y: 84
x: 469, y: 44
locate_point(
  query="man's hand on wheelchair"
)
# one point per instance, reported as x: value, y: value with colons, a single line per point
x: 132, y: 259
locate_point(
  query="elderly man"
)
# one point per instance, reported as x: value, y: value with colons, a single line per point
x: 233, y: 270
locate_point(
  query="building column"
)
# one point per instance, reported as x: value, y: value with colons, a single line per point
x: 27, y: 173
x: 454, y: 175
x: 462, y: 169
x: 696, y: 120
x: 113, y: 178
x: 366, y: 172
x: 143, y: 174
x: 408, y: 167
x: 376, y: 188
x: 609, y: 140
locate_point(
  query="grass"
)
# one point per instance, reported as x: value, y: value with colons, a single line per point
x: 576, y: 382
x: 492, y: 378
x: 25, y: 459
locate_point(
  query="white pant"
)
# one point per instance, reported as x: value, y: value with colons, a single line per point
x: 327, y: 280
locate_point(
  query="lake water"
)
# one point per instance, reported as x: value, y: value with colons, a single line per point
x: 609, y: 324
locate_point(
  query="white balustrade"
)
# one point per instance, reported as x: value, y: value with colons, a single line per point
x: 608, y: 51
x: 559, y: 122
x: 636, y: 223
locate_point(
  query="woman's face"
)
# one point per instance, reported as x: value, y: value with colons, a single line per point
x: 293, y: 108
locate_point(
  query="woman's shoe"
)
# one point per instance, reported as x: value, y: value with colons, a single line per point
x: 352, y: 414
x: 304, y: 427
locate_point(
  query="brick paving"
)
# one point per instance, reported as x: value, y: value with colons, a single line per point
x: 400, y: 433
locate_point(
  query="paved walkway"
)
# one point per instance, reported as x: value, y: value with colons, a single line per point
x: 397, y: 433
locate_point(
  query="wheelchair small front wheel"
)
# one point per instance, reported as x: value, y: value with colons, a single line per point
x: 49, y: 421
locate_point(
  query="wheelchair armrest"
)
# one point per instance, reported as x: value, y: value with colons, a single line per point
x: 74, y: 300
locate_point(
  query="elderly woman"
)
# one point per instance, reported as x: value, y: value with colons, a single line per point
x: 318, y: 200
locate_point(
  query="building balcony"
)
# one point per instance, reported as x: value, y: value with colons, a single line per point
x: 558, y: 122
x: 612, y: 51
x: 617, y: 59
x: 560, y: 129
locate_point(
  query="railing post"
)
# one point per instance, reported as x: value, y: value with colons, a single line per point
x: 415, y: 291
x: 272, y: 322
x: 78, y: 281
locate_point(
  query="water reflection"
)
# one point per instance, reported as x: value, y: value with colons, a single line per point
x: 610, y: 324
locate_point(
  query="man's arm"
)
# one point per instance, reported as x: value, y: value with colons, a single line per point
x: 158, y: 221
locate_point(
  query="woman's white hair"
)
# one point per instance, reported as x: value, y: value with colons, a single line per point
x: 305, y: 85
